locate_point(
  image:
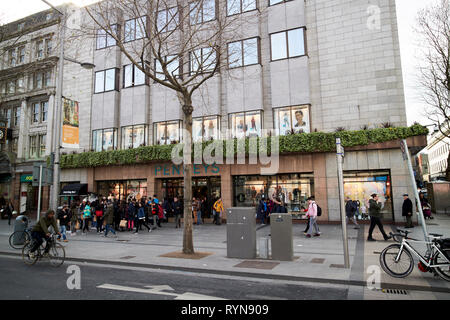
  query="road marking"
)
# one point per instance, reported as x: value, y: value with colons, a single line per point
x: 159, y: 290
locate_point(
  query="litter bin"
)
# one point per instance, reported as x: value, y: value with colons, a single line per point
x: 20, y: 225
x: 241, y: 233
x: 281, y: 234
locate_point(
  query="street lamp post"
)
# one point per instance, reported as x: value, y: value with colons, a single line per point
x: 58, y: 115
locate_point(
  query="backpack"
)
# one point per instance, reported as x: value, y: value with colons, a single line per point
x: 319, y: 211
x: 160, y: 212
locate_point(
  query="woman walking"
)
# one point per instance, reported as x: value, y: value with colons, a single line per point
x: 74, y: 218
x: 87, y: 214
x: 140, y: 219
x: 312, y: 214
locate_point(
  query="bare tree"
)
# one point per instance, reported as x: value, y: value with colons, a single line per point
x: 179, y: 45
x: 434, y: 28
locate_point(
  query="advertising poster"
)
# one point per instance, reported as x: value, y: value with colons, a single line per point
x: 70, y: 132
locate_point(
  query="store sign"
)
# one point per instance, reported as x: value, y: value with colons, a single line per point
x: 198, y: 169
x: 71, y: 130
x: 26, y: 178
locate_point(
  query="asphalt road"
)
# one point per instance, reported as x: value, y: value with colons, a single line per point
x: 42, y: 282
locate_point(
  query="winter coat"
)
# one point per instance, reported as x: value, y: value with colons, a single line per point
x: 178, y: 208
x: 375, y: 209
x: 109, y: 214
x: 407, y: 208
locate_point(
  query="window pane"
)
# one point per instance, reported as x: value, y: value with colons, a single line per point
x: 101, y: 39
x: 127, y: 137
x: 240, y: 126
x: 211, y: 130
x: 36, y: 107
x: 97, y: 140
x: 196, y: 60
x: 110, y: 41
x: 141, y: 27
x: 300, y: 119
x: 128, y: 76
x: 296, y: 43
x: 130, y: 28
x: 172, y: 18
x: 209, y: 10
x: 272, y: 2
x: 251, y: 51
x: 278, y: 45
x: 158, y: 70
x: 108, y: 139
x: 161, y: 20
x: 235, y: 54
x: 195, y: 13
x: 160, y: 133
x: 209, y: 59
x: 139, y: 136
x: 173, y: 131
x: 248, y: 5
x: 38, y: 84
x: 173, y: 66
x: 197, y: 129
x: 110, y: 83
x: 253, y: 124
x: 139, y: 76
x: 43, y: 141
x: 99, y: 81
x: 44, y: 111
x: 233, y: 7
x: 285, y: 120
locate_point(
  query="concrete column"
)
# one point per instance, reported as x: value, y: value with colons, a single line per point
x: 22, y: 145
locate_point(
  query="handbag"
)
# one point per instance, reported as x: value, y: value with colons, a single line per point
x: 77, y: 226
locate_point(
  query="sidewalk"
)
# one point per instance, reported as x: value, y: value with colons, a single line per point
x: 318, y: 259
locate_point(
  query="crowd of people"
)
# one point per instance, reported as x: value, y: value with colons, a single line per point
x: 111, y: 215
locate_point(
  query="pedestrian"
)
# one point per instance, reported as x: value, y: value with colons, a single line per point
x: 99, y: 216
x: 178, y: 211
x: 167, y: 206
x: 131, y: 215
x: 350, y: 211
x: 87, y: 214
x: 74, y: 218
x: 204, y: 209
x: 109, y: 219
x: 218, y: 209
x: 198, y: 204
x: 375, y: 217
x: 157, y: 211
x: 140, y: 218
x: 312, y: 214
x: 9, y: 209
x: 407, y: 209
x: 194, y: 210
x: 116, y: 210
x: 64, y: 218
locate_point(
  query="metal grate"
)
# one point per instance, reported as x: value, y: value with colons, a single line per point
x: 395, y: 291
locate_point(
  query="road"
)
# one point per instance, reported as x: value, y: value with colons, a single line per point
x: 104, y: 282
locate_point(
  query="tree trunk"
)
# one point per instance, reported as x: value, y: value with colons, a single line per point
x: 188, y: 241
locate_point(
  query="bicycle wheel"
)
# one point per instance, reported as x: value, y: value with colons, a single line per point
x: 56, y: 255
x: 438, y: 258
x: 400, y: 269
x: 26, y: 254
x: 21, y: 237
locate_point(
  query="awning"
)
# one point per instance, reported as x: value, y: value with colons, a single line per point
x: 73, y: 190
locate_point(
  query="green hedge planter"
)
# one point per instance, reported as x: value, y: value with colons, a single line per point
x: 295, y: 143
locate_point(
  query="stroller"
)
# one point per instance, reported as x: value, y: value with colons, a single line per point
x: 427, y: 210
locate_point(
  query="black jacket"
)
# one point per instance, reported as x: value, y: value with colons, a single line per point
x: 64, y: 221
x: 177, y: 207
x: 407, y: 208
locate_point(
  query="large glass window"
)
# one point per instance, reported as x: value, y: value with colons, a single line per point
x: 135, y: 29
x: 123, y: 190
x: 33, y: 147
x: 133, y: 76
x: 167, y: 132
x: 105, y: 39
x: 292, y: 120
x: 167, y: 20
x: 245, y: 124
x: 292, y: 189
x: 203, y: 60
x: 106, y: 80
x: 134, y: 136
x: 16, y: 116
x: 243, y: 53
x: 205, y: 128
x: 240, y: 6
x: 173, y: 65
x: 287, y: 44
x: 202, y: 11
x: 360, y: 185
x: 104, y: 140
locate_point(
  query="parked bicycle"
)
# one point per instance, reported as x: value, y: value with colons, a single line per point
x: 397, y: 259
x: 55, y: 252
x: 20, y: 237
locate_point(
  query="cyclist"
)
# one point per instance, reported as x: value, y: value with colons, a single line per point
x: 40, y: 231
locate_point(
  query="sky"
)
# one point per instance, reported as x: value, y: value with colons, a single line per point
x: 406, y: 15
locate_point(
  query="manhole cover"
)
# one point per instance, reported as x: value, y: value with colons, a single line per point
x: 318, y: 260
x: 127, y: 257
x: 265, y: 265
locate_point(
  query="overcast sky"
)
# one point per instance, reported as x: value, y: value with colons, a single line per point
x: 406, y: 13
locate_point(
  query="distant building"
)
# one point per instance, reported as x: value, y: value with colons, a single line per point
x: 438, y: 149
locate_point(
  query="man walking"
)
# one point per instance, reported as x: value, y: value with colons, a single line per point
x: 109, y: 218
x: 177, y: 210
x: 218, y: 209
x: 407, y: 210
x: 312, y: 214
x: 350, y: 211
x: 375, y: 217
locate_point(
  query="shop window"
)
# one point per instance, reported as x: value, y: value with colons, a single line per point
x: 168, y: 132
x: 134, y: 136
x: 290, y: 120
x: 104, y: 140
x: 123, y: 190
x: 360, y: 185
x: 245, y: 124
x: 205, y: 128
x: 292, y: 189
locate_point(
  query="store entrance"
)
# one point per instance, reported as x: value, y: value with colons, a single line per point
x: 206, y: 188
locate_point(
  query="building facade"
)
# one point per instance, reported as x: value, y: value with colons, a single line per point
x: 318, y: 65
x: 438, y: 150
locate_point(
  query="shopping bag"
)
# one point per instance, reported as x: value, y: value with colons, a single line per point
x: 123, y: 223
x: 77, y: 226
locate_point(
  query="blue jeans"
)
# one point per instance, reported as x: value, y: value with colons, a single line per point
x: 108, y: 228
x: 199, y: 217
x: 63, y: 232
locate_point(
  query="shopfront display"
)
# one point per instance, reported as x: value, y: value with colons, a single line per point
x: 123, y: 190
x: 292, y: 189
x: 292, y: 120
x: 360, y: 185
x: 246, y: 124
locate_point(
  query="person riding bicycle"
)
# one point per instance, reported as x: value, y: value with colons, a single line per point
x: 40, y: 231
